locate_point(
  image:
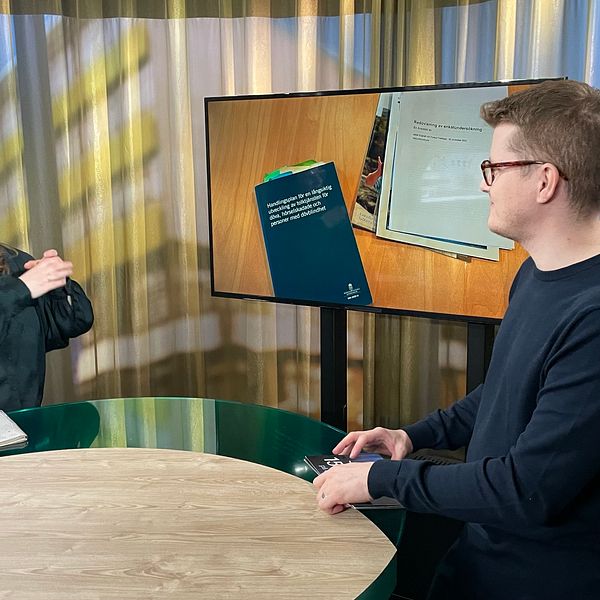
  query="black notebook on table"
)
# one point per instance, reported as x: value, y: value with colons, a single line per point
x: 322, y: 462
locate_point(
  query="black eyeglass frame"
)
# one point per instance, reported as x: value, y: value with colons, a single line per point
x: 487, y: 168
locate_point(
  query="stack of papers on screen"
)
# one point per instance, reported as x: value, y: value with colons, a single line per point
x: 11, y: 435
x: 429, y: 190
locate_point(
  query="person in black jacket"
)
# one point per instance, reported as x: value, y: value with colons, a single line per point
x: 529, y: 491
x: 41, y: 308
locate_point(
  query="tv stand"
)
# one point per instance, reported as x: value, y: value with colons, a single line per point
x: 417, y: 558
x: 334, y: 362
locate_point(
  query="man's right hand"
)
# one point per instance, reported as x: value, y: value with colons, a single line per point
x: 46, y: 274
x: 391, y: 442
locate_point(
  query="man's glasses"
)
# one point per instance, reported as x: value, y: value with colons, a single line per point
x: 489, y: 168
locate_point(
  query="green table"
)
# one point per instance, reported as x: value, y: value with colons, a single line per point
x: 264, y: 435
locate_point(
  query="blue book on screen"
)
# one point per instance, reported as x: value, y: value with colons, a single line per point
x: 309, y: 241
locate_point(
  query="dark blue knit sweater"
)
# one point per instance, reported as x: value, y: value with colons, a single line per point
x: 529, y: 491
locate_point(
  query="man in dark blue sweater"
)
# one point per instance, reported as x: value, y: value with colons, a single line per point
x: 529, y: 491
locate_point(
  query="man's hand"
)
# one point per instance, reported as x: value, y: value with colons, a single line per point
x: 391, y: 442
x: 45, y: 274
x: 342, y: 485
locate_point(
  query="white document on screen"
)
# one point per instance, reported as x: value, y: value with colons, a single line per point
x: 441, y: 141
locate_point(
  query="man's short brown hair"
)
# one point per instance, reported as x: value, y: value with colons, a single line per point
x: 559, y: 122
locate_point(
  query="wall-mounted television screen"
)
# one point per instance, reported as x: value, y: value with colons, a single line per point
x: 361, y: 199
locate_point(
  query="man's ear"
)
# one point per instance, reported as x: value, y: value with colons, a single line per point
x: 548, y: 182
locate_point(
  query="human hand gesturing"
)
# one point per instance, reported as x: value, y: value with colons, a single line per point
x: 45, y: 274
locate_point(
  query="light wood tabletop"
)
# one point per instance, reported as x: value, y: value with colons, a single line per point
x: 153, y: 523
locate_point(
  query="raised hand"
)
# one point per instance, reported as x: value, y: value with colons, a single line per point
x: 391, y: 442
x: 45, y: 274
x: 47, y: 254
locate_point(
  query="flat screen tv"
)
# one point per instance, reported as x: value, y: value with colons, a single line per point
x: 360, y: 199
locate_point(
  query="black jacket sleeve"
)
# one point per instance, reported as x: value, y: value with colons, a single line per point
x: 64, y: 313
x: 14, y: 297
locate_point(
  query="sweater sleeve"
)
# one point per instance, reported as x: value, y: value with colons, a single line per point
x: 64, y: 313
x: 448, y: 429
x: 548, y: 467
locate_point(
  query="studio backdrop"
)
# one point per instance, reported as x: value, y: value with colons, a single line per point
x: 102, y: 156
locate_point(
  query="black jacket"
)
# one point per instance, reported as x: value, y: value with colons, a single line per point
x: 29, y: 328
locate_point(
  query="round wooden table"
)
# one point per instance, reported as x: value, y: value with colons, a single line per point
x: 154, y: 523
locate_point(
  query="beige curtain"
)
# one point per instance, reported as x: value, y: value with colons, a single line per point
x: 118, y: 183
x: 102, y: 156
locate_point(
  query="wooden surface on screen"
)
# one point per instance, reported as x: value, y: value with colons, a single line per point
x: 250, y: 137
